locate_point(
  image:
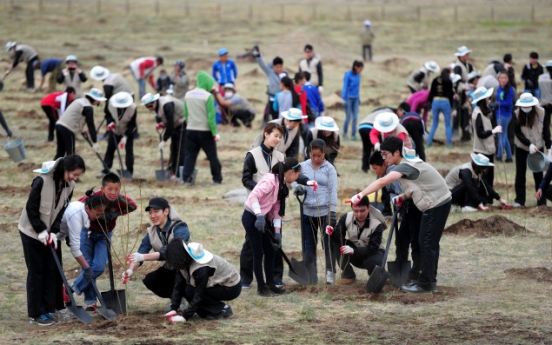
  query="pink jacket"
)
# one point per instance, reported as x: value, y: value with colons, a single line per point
x: 263, y: 199
x: 418, y: 101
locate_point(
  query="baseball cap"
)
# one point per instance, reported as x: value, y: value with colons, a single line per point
x: 157, y: 204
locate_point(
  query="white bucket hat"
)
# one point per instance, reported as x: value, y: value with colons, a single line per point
x: 196, y: 251
x: 148, y: 98
x: 461, y: 51
x: 432, y: 66
x: 10, y: 45
x: 481, y: 160
x: 71, y: 58
x: 367, y: 23
x: 121, y: 100
x: 410, y: 155
x: 96, y: 94
x: 99, y: 73
x: 386, y: 122
x: 526, y: 100
x: 326, y: 123
x: 481, y: 93
x: 293, y: 114
x: 455, y: 77
x: 46, y: 167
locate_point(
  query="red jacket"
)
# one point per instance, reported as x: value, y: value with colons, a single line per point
x: 54, y: 100
x: 123, y: 205
x: 302, y: 100
x: 148, y: 63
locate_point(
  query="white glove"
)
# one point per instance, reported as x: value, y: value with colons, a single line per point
x: 329, y: 230
x: 171, y: 313
x: 123, y: 141
x: 43, y: 237
x: 217, y: 138
x: 377, y: 147
x: 313, y: 184
x: 533, y: 149
x: 320, y: 89
x: 96, y: 147
x: 136, y: 257
x: 497, y: 129
x: 176, y: 318
x: 126, y: 274
x: 346, y: 250
x: 53, y: 239
x: 356, y: 199
x: 161, y: 145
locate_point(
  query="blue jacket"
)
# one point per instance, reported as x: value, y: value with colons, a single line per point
x: 49, y: 65
x: 351, y: 85
x: 180, y: 231
x: 313, y: 95
x: 225, y: 73
x: 505, y: 102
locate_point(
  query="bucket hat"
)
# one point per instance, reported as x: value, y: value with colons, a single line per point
x: 367, y: 23
x: 121, y: 100
x: 196, y: 251
x: 293, y: 114
x: 481, y: 160
x: 148, y: 98
x: 386, y: 122
x: 481, y: 93
x: 71, y: 58
x: 461, y: 51
x: 99, y: 73
x: 455, y: 77
x: 10, y: 45
x: 432, y: 66
x: 410, y: 155
x: 326, y: 123
x: 526, y: 100
x: 96, y: 94
x: 46, y: 167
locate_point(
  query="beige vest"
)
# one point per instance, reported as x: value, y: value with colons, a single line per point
x: 311, y: 68
x: 534, y: 133
x: 465, y: 72
x: 180, y: 85
x: 545, y: 84
x: 242, y: 105
x: 260, y: 162
x: 196, y: 101
x: 375, y: 217
x: 453, y: 177
x: 156, y: 242
x: 370, y: 118
x: 329, y: 149
x: 72, y: 118
x: 27, y: 52
x: 75, y: 82
x: 48, y: 210
x: 118, y: 83
x: 121, y: 121
x: 178, y: 117
x: 428, y: 190
x: 225, y: 273
x: 487, y: 145
x: 414, y: 84
x: 283, y: 146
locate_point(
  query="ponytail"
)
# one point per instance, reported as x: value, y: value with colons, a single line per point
x: 94, y: 201
x: 279, y: 170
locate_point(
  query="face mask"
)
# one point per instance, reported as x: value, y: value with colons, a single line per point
x: 526, y: 109
x: 228, y: 94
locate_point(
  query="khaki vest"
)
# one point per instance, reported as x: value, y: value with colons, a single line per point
x: 196, y: 102
x: 283, y: 146
x: 304, y: 66
x: 118, y: 83
x: 48, y: 210
x: 534, y: 133
x: 121, y: 120
x: 329, y: 149
x: 242, y: 105
x: 545, y: 84
x: 453, y: 177
x: 178, y: 117
x: 225, y: 273
x: 487, y: 145
x: 414, y: 84
x: 72, y: 118
x: 260, y: 162
x: 180, y: 85
x: 370, y: 118
x: 27, y: 52
x: 75, y: 82
x: 156, y: 242
x: 375, y: 217
x: 428, y: 190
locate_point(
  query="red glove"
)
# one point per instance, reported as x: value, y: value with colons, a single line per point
x: 111, y: 126
x: 85, y: 133
x: 482, y: 207
x: 160, y: 126
x: 313, y: 184
x: 356, y: 199
x: 329, y: 230
x: 398, y: 200
x: 346, y: 250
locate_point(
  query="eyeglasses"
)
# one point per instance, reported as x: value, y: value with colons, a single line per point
x: 149, y: 106
x: 385, y: 153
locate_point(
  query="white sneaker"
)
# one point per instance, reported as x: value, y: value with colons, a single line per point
x: 469, y: 209
x: 516, y: 204
x: 330, y: 277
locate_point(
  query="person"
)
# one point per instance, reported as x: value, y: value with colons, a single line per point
x: 429, y: 192
x: 545, y: 86
x: 319, y: 210
x: 224, y: 70
x: 24, y: 53
x: 39, y: 226
x: 386, y: 124
x: 54, y: 106
x: 419, y: 104
x: 326, y: 129
x: 274, y: 72
x: 169, y: 114
x: 163, y: 82
x: 313, y: 98
x: 415, y: 127
x: 298, y: 81
x: 75, y: 229
x: 287, y: 98
x: 469, y: 187
x: 71, y: 123
x: 290, y: 121
x: 166, y: 226
x: 468, y: 77
x: 209, y: 280
x: 364, y: 128
x: 493, y: 68
x: 367, y: 38
x: 142, y: 69
x: 238, y: 107
x: 532, y: 132
x: 52, y: 66
x: 312, y: 64
x: 504, y: 110
x: 267, y: 202
x: 419, y: 80
x: 544, y: 190
x: 199, y: 111
x: 462, y: 67
x: 121, y: 124
x: 72, y: 75
x: 4, y: 124
x: 350, y: 96
x: 440, y: 98
x: 530, y: 75
x: 508, y: 62
x: 179, y: 80
x: 112, y: 82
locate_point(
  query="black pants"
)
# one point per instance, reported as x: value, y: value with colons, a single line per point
x: 211, y: 301
x: 178, y: 144
x: 367, y: 47
x: 367, y: 147
x: 520, y: 183
x: 386, y: 201
x: 465, y: 124
x: 29, y: 72
x: 369, y: 262
x: 65, y: 142
x: 196, y: 140
x: 461, y: 196
x: 4, y: 124
x: 246, y: 264
x: 489, y: 176
x: 161, y: 282
x: 245, y: 116
x: 408, y: 233
x: 261, y: 248
x: 112, y: 142
x: 53, y: 116
x: 416, y: 131
x: 311, y: 227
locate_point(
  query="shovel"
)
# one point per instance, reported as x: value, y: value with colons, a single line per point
x: 297, y: 271
x: 102, y: 309
x: 114, y: 299
x: 399, y: 270
x: 161, y: 175
x: 379, y: 275
x: 123, y: 173
x: 78, y: 311
x: 302, y: 263
x: 85, y: 136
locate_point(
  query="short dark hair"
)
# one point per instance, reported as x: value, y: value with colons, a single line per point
x: 308, y: 47
x: 159, y: 60
x: 392, y: 144
x: 363, y: 202
x: 405, y: 106
x: 298, y: 76
x: 307, y: 75
x: 376, y: 159
x: 357, y: 64
x: 110, y: 178
x: 277, y: 61
x: 70, y: 89
x: 318, y: 144
x: 534, y: 55
x: 507, y: 57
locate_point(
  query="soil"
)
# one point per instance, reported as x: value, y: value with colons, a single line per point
x: 494, y: 225
x: 22, y: 114
x: 15, y: 190
x: 396, y: 66
x: 540, y: 274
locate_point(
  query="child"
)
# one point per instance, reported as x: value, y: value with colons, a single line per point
x: 163, y: 82
x: 350, y: 95
x: 287, y: 98
x: 505, y: 101
x: 300, y: 80
x: 313, y: 96
x: 274, y: 71
x: 38, y: 227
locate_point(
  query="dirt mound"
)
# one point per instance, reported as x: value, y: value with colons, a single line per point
x: 333, y: 101
x: 70, y: 44
x: 395, y: 65
x: 350, y: 152
x: 164, y: 48
x: 494, y: 225
x: 540, y: 274
x: 22, y: 114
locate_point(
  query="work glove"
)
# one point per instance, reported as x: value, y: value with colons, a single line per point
x: 329, y: 230
x: 171, y: 313
x: 111, y: 126
x: 256, y: 51
x: 43, y: 237
x: 161, y: 145
x: 482, y: 207
x: 533, y: 149
x: 497, y: 129
x: 176, y: 318
x: 217, y: 138
x: 123, y: 141
x: 159, y: 126
x: 260, y: 223
x: 377, y: 147
x: 333, y: 219
x: 277, y: 241
x: 320, y: 89
x: 313, y: 184
x: 85, y: 133
x: 398, y: 200
x: 136, y: 257
x: 53, y: 239
x: 299, y: 190
x: 89, y: 275
x: 356, y: 199
x: 126, y: 274
x: 96, y: 147
x: 505, y: 205
x: 346, y: 250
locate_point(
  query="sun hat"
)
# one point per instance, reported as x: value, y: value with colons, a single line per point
x: 46, y: 167
x: 148, y: 98
x: 472, y: 75
x: 196, y: 251
x: 481, y: 160
x: 481, y: 93
x: 10, y: 45
x: 461, y: 51
x: 526, y: 100
x: 157, y: 204
x: 367, y: 23
x: 548, y: 63
x: 455, y: 77
x: 96, y: 94
x: 121, y: 99
x: 410, y: 155
x: 71, y: 58
x: 293, y: 114
x: 99, y: 73
x: 229, y: 86
x: 432, y: 66
x: 386, y: 122
x: 222, y: 51
x: 326, y: 123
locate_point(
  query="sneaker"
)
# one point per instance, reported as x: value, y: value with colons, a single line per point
x: 63, y: 315
x: 42, y: 320
x: 224, y: 313
x: 469, y: 209
x: 101, y: 175
x: 330, y: 277
x: 279, y: 284
x: 516, y: 204
x: 65, y: 294
x: 434, y: 287
x: 264, y: 291
x: 346, y: 281
x: 174, y: 177
x: 91, y: 307
x: 415, y: 288
x: 246, y: 286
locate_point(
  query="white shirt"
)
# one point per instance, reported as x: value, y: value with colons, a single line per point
x: 74, y: 220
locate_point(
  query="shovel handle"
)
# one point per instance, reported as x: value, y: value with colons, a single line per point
x: 281, y: 251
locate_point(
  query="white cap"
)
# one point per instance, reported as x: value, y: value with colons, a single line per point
x: 367, y: 23
x: 10, y: 45
x: 71, y: 58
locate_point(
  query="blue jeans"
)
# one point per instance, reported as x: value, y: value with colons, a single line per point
x: 440, y: 106
x: 311, y: 227
x: 141, y: 84
x: 535, y: 92
x: 351, y: 112
x: 94, y: 250
x: 503, y: 142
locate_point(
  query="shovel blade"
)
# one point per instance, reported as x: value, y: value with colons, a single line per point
x: 124, y: 174
x: 80, y: 314
x: 115, y: 300
x: 399, y: 272
x: 106, y: 313
x: 298, y: 272
x: 377, y: 280
x: 162, y: 175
